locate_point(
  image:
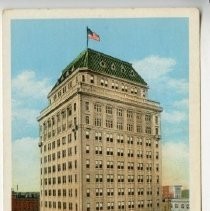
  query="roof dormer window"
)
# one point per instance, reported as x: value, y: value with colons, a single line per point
x: 113, y: 66
x: 122, y: 68
x: 102, y: 64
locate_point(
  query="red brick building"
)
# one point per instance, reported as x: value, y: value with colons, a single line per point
x: 25, y: 201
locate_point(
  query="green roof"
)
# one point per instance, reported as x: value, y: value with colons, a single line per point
x: 102, y: 63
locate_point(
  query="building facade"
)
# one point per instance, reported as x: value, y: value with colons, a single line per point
x: 22, y: 201
x: 180, y: 204
x: 100, y: 139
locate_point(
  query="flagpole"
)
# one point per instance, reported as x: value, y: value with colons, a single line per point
x: 87, y: 37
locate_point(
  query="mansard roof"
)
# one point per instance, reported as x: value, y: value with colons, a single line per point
x: 101, y: 63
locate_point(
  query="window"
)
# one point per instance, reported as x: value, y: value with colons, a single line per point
x: 119, y: 112
x: 148, y: 143
x: 97, y: 108
x: 106, y: 83
x: 119, y: 125
x: 69, y: 111
x: 110, y: 164
x: 149, y: 191
x: 87, y: 163
x: 98, y: 136
x: 148, y: 130
x: 98, y: 150
x: 157, y: 167
x: 130, y: 153
x: 120, y: 152
x: 149, y: 178
x: 149, y: 166
x: 130, y: 127
x: 83, y: 78
x: 87, y: 148
x: 120, y: 139
x: 120, y: 165
x: 130, y: 178
x: 110, y: 178
x: 130, y: 191
x: 87, y: 177
x: 98, y: 164
x: 88, y: 206
x: 98, y: 121
x: 92, y: 79
x: 102, y: 82
x: 110, y: 192
x: 141, y: 204
x: 87, y: 134
x: 130, y: 165
x: 121, y: 205
x: 120, y: 178
x: 130, y: 140
x: 110, y: 206
x: 138, y: 129
x: 99, y: 178
x: 88, y: 192
x: 156, y: 120
x: 139, y: 153
x: 99, y: 192
x: 109, y: 109
x: 140, y: 166
x: 140, y: 178
x: 148, y: 154
x: 156, y: 131
x: 147, y: 117
x: 140, y: 191
x: 109, y: 151
x: 109, y: 138
x: 99, y: 205
x: 87, y: 120
x: 129, y: 114
x: 109, y: 123
x: 121, y: 191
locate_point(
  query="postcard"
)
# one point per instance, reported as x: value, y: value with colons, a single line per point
x: 101, y: 109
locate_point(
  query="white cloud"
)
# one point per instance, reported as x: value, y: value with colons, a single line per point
x: 178, y: 85
x: 174, y: 116
x: 155, y: 70
x: 27, y: 85
x: 181, y: 104
x: 175, y: 164
x: 25, y: 160
x: 26, y: 115
x: 154, y: 67
x: 28, y: 93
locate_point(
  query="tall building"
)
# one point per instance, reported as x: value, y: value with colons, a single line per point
x: 100, y: 139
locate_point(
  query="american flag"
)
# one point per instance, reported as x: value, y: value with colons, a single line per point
x: 92, y: 35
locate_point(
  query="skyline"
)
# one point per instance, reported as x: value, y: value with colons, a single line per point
x: 40, y: 52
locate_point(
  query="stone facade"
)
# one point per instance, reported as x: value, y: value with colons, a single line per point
x: 100, y: 144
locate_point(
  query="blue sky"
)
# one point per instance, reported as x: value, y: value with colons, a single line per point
x: 158, y: 49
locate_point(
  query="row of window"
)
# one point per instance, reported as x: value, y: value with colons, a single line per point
x: 120, y: 205
x: 101, y: 192
x: 99, y: 165
x: 120, y: 152
x: 99, y: 178
x: 98, y: 136
x: 182, y: 206
x: 98, y: 109
x: 103, y: 82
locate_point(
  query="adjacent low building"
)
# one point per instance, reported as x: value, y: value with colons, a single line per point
x: 181, y: 204
x: 25, y: 201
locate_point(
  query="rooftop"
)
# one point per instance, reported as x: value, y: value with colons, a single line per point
x: 102, y: 63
